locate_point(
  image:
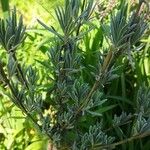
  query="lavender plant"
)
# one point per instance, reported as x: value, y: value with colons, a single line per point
x: 78, y: 106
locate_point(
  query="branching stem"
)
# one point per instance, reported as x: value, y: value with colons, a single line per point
x: 107, y: 61
x: 139, y: 136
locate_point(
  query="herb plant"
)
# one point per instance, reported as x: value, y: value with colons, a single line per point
x: 75, y: 88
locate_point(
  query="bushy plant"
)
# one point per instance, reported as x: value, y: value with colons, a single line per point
x: 75, y: 88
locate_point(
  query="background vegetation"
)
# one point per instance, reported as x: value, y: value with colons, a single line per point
x: 16, y: 132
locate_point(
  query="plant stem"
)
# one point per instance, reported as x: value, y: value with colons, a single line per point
x: 112, y: 127
x: 20, y: 72
x: 123, y: 141
x: 107, y: 61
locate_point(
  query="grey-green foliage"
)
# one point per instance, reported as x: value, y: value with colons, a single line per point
x: 95, y: 136
x: 12, y: 65
x: 123, y: 118
x: 125, y: 32
x: 141, y: 125
x: 11, y: 32
x: 143, y: 101
x: 79, y: 107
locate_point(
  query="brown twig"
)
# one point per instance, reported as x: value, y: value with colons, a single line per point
x: 107, y: 61
x: 99, y: 146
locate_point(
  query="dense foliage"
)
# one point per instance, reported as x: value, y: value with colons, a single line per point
x: 89, y: 91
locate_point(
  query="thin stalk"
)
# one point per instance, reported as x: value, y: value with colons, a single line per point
x: 112, y: 127
x: 140, y: 136
x: 104, y: 70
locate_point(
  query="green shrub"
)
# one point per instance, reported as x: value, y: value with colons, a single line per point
x: 86, y: 65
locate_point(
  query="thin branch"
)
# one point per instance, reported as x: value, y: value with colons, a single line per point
x: 140, y: 136
x: 20, y: 71
x: 111, y: 128
x: 107, y: 61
